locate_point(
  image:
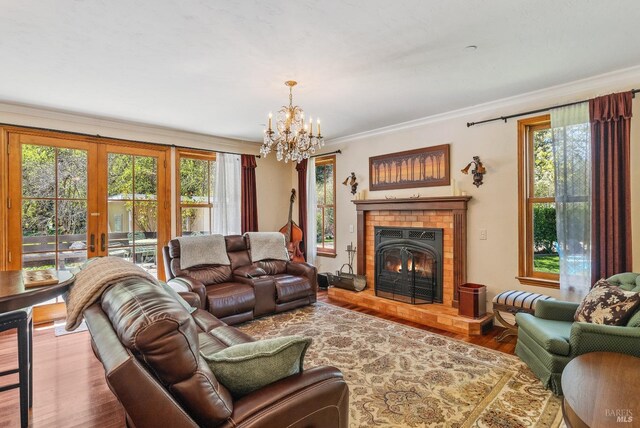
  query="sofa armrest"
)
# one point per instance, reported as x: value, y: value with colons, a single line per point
x: 307, y: 270
x: 588, y: 337
x: 184, y: 283
x: 556, y: 310
x: 315, y: 397
x: 192, y: 298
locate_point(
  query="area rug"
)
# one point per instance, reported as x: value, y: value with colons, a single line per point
x: 400, y: 376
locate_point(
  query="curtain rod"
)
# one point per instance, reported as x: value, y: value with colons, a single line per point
x: 540, y: 110
x: 326, y: 154
x: 82, y: 134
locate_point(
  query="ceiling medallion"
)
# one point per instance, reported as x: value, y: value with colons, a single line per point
x: 293, y: 138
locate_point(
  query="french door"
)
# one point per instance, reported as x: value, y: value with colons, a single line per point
x: 71, y: 199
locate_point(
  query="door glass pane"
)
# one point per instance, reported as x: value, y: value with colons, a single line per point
x: 120, y: 176
x: 54, y: 230
x: 71, y: 259
x: 133, y: 209
x: 72, y: 225
x: 38, y: 171
x: 146, y: 258
x: 120, y: 222
x: 146, y: 177
x: 146, y: 223
x: 196, y: 220
x: 545, y: 238
x: 72, y: 174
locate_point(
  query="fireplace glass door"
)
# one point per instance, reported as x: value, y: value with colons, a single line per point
x: 407, y: 274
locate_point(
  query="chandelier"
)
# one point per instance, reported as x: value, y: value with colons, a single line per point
x: 292, y: 138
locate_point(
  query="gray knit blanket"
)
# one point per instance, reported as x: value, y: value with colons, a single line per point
x: 203, y: 250
x: 96, y: 276
x: 267, y: 245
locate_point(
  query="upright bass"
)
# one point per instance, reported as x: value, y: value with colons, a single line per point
x: 293, y: 234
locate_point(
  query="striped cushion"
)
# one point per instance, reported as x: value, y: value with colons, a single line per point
x: 520, y: 299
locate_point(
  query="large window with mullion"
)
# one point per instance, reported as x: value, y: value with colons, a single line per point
x: 539, y: 260
x: 326, y: 212
x: 196, y: 174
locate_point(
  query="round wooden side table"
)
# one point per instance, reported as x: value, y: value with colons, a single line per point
x: 602, y: 389
x: 14, y: 295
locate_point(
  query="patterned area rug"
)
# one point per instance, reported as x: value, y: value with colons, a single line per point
x: 400, y: 376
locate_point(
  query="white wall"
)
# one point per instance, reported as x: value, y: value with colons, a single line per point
x: 272, y: 197
x: 493, y: 262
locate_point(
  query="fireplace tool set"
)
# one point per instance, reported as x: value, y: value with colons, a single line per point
x: 348, y: 280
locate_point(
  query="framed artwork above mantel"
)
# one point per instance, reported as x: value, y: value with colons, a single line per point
x: 425, y: 167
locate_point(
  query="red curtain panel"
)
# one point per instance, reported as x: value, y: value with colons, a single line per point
x: 249, y: 204
x: 610, y: 118
x: 302, y: 201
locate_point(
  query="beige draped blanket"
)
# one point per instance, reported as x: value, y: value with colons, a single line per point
x: 93, y: 280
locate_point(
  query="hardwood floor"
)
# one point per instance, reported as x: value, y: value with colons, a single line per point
x: 69, y: 385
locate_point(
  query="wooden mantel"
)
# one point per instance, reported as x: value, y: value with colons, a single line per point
x: 435, y: 203
x: 457, y: 205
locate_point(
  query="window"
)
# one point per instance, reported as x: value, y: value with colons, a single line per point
x: 326, y: 212
x: 196, y: 184
x: 539, y: 263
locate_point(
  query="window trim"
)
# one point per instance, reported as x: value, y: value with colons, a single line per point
x: 189, y: 154
x: 322, y: 251
x: 526, y: 274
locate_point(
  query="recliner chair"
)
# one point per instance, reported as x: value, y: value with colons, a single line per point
x: 548, y: 340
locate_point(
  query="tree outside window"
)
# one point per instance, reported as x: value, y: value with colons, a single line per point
x: 196, y: 172
x: 326, y: 211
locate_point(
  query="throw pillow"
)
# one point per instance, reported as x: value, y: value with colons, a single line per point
x: 173, y: 293
x: 250, y: 366
x: 634, y: 321
x: 607, y: 304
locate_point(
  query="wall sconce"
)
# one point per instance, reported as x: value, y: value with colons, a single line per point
x: 478, y: 170
x: 352, y: 181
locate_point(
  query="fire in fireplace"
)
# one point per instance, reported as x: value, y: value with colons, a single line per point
x: 408, y: 264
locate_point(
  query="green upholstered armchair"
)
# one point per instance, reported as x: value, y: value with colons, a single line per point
x: 548, y: 340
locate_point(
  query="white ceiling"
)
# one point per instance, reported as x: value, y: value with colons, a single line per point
x: 218, y: 67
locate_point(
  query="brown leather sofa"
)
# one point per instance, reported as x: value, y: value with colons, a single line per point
x: 148, y: 344
x: 243, y: 290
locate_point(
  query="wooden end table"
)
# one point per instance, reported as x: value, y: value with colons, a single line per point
x: 602, y: 389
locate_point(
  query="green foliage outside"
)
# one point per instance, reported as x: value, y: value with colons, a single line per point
x: 545, y: 234
x: 135, y: 179
x: 197, y: 185
x: 40, y: 166
x: 325, y: 196
x: 546, y: 263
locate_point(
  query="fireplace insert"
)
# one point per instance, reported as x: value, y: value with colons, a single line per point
x: 408, y: 264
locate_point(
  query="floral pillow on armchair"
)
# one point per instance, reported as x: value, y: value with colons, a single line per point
x: 607, y: 304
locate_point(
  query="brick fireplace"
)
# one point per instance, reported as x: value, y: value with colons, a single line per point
x: 448, y: 213
x: 448, y: 216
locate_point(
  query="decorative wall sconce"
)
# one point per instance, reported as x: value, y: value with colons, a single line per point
x: 352, y: 181
x: 478, y: 170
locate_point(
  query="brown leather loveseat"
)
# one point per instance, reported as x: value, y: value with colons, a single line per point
x: 244, y: 290
x: 149, y: 346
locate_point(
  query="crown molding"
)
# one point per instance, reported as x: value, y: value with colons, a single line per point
x: 26, y: 115
x: 611, y: 81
